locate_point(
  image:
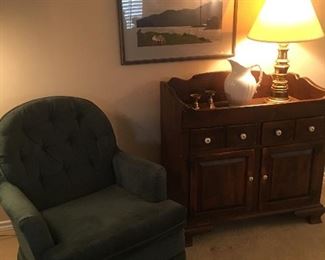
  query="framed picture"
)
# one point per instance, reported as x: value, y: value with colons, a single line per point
x: 169, y: 30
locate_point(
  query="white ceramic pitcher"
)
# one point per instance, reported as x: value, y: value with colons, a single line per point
x: 240, y: 84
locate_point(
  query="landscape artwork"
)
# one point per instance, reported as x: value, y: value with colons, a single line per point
x: 169, y: 30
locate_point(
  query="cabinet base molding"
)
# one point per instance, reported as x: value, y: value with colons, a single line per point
x: 192, y: 231
x: 313, y: 215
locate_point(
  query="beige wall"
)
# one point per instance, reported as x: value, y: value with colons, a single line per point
x: 71, y: 47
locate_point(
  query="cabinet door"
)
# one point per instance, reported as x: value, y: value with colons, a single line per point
x: 291, y: 176
x: 223, y: 182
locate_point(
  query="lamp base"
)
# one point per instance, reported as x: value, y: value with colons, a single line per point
x: 278, y: 100
x: 279, y: 89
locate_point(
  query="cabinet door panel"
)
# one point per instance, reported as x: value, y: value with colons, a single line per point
x: 291, y: 176
x: 223, y: 181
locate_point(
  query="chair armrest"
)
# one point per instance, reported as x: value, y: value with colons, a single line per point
x: 31, y: 229
x: 141, y: 177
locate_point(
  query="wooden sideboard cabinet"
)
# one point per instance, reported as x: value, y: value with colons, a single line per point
x: 237, y: 162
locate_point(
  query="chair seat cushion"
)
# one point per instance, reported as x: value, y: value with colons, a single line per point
x: 107, y: 223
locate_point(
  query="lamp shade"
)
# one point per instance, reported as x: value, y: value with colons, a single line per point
x: 286, y: 21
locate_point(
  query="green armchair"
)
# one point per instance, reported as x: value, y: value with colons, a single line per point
x: 71, y: 194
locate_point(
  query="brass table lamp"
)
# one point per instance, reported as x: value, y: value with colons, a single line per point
x: 283, y: 22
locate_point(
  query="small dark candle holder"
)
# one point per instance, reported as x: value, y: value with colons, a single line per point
x: 196, y: 97
x: 211, y: 94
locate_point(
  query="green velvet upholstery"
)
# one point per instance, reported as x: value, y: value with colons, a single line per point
x: 57, y: 149
x: 104, y: 229
x: 32, y: 231
x: 71, y: 194
x: 148, y: 180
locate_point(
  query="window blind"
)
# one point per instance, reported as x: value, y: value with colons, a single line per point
x: 132, y: 9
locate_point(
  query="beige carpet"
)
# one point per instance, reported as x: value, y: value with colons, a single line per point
x: 283, y: 237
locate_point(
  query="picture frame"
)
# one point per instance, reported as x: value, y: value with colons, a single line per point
x: 153, y: 31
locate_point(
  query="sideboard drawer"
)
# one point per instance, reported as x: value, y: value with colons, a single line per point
x: 207, y: 139
x: 310, y: 128
x: 241, y: 135
x: 279, y: 132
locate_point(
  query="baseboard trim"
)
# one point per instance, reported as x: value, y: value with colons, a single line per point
x: 5, y: 225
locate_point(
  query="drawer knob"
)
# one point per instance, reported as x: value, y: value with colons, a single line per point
x: 278, y: 132
x: 207, y: 140
x: 251, y: 179
x: 265, y: 177
x: 311, y: 129
x: 243, y: 136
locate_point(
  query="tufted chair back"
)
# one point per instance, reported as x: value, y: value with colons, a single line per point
x: 56, y: 149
